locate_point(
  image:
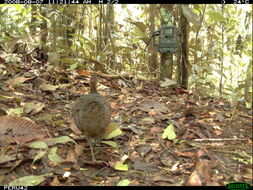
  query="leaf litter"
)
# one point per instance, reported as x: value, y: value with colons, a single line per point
x: 155, y: 129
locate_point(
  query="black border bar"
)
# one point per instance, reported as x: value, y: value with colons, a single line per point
x: 126, y: 2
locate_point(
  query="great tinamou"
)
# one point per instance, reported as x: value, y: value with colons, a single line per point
x: 92, y: 114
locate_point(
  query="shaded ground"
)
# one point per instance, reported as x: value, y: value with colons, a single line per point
x: 143, y: 110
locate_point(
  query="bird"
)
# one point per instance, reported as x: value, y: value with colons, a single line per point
x: 92, y: 114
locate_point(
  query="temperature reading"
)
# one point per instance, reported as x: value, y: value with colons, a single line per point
x: 237, y: 2
x: 241, y: 1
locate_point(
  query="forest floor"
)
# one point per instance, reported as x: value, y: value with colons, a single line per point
x: 213, y: 143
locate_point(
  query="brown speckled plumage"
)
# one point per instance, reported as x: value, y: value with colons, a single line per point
x: 92, y: 114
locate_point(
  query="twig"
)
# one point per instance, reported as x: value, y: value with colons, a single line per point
x: 224, y: 151
x: 247, y: 116
x: 17, y: 149
x: 218, y: 140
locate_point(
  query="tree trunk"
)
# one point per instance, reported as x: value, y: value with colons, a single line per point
x: 184, y: 60
x: 166, y: 68
x: 152, y: 63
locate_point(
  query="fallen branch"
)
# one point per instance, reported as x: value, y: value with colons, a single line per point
x: 218, y: 140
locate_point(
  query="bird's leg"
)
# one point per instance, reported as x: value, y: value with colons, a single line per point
x: 90, y: 141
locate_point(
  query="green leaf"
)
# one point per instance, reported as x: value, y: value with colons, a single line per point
x: 248, y: 104
x: 140, y: 25
x: 245, y: 161
x: 111, y: 143
x: 112, y: 131
x: 47, y: 118
x: 39, y: 156
x: 38, y: 144
x: 124, y: 182
x: 6, y: 158
x: 72, y: 67
x: 54, y: 58
x: 54, y: 157
x: 148, y: 120
x: 58, y: 122
x: 31, y: 180
x: 69, y: 61
x: 191, y: 15
x: 120, y: 48
x: 216, y: 16
x: 32, y: 107
x: 167, y: 83
x: 139, y: 33
x: 15, y: 111
x: 169, y: 133
x: 121, y: 167
x: 63, y: 139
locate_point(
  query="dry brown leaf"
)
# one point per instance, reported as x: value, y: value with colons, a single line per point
x: 18, y: 129
x: 84, y: 72
x: 71, y: 157
x: 155, y: 130
x: 124, y: 91
x: 147, y: 167
x: 184, y: 154
x: 246, y: 172
x: 113, y: 105
x: 79, y: 149
x: 203, y: 173
x: 6, y: 158
x: 17, y: 80
x: 48, y: 87
x: 33, y: 108
x: 152, y: 112
x: 151, y: 104
x: 121, y: 97
x: 55, y: 182
x: 74, y: 128
x: 134, y: 157
x: 217, y: 132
